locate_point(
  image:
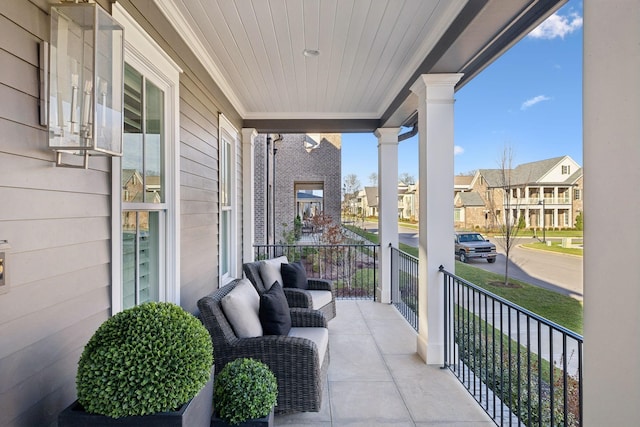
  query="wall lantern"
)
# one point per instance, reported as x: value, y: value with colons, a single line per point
x: 86, y: 65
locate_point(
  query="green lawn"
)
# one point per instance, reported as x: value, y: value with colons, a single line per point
x: 561, y: 309
x: 555, y: 247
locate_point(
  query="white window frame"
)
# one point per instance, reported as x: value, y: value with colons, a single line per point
x: 227, y: 131
x: 144, y: 54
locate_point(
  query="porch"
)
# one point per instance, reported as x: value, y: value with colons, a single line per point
x: 377, y: 378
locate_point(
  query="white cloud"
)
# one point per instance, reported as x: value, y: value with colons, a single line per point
x: 533, y: 101
x: 557, y: 26
x: 457, y: 150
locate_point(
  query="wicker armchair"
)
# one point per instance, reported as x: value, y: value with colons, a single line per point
x: 295, y: 297
x: 293, y: 360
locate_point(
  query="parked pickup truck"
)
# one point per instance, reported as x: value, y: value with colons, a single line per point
x: 470, y: 244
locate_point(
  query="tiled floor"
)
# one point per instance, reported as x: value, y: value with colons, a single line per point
x: 377, y: 379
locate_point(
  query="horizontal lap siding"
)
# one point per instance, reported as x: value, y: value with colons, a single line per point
x: 58, y: 220
x: 58, y: 223
x: 200, y: 102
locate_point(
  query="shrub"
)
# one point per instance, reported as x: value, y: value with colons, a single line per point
x: 151, y: 358
x: 245, y: 389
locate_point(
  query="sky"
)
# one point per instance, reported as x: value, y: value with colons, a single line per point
x: 529, y: 99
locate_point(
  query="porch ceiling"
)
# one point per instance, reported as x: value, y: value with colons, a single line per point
x: 370, y: 52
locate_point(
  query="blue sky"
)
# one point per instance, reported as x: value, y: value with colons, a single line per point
x: 529, y: 99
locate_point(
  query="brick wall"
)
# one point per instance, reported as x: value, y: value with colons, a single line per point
x: 294, y: 165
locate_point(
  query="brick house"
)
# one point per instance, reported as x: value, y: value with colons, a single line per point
x: 552, y: 185
x: 307, y: 172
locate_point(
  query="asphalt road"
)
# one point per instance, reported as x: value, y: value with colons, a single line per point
x: 558, y: 272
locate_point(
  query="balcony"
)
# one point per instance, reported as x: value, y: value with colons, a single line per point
x: 376, y: 378
x: 535, y: 201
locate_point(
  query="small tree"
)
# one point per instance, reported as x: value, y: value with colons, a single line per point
x: 509, y: 225
x: 373, y: 179
x: 407, y: 178
x: 579, y: 225
x: 350, y: 187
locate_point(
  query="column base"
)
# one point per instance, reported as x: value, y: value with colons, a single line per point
x: 431, y: 353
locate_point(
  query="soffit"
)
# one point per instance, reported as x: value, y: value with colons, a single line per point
x: 371, y: 51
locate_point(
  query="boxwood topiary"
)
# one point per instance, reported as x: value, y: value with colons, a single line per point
x: 245, y: 389
x: 151, y: 358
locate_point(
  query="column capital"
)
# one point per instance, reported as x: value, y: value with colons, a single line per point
x: 444, y: 81
x: 249, y: 135
x: 387, y: 135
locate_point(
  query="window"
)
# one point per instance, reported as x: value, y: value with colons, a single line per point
x: 566, y: 170
x: 145, y: 178
x: 143, y: 207
x: 576, y: 194
x: 458, y: 214
x: 228, y: 143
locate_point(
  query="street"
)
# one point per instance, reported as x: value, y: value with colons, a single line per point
x: 557, y: 272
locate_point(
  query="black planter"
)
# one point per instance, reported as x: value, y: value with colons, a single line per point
x: 258, y: 422
x: 195, y: 413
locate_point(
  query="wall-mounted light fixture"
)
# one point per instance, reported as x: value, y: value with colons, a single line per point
x: 86, y: 65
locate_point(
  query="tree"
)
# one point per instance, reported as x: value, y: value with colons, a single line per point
x: 579, y: 225
x: 509, y: 224
x: 351, y: 185
x: 373, y: 179
x: 407, y: 178
x: 350, y: 188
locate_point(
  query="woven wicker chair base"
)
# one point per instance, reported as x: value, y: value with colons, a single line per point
x: 294, y: 361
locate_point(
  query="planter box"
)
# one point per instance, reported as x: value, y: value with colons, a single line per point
x: 195, y: 413
x: 258, y: 422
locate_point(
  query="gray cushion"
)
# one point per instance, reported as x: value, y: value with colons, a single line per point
x: 320, y: 298
x: 241, y: 307
x: 270, y: 270
x: 320, y: 336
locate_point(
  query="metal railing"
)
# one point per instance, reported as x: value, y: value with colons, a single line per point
x: 524, y: 201
x: 521, y: 368
x: 352, y: 267
x: 404, y: 285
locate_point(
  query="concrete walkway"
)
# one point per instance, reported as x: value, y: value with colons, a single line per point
x: 377, y: 379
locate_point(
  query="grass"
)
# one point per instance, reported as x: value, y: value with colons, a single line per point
x: 372, y: 237
x: 560, y: 309
x: 555, y: 247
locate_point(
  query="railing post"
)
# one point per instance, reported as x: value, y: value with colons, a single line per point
x: 446, y: 317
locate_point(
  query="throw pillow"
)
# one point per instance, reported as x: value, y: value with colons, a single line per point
x: 241, y: 306
x: 274, y: 311
x: 294, y: 275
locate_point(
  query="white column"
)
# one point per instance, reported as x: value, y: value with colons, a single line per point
x: 387, y: 205
x: 611, y: 146
x: 436, y: 150
x: 248, y: 199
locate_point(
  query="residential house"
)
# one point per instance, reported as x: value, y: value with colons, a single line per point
x: 306, y: 170
x: 545, y: 193
x: 462, y: 184
x: 369, y: 200
x: 214, y: 75
x: 408, y: 201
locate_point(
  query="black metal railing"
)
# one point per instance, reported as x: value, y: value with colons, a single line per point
x: 521, y: 368
x: 404, y: 285
x: 352, y: 267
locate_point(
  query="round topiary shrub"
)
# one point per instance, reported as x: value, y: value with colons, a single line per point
x: 151, y: 358
x: 245, y: 389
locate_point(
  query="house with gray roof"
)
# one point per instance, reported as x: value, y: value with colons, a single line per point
x: 546, y: 194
